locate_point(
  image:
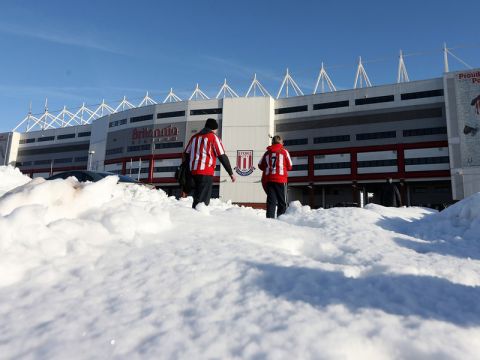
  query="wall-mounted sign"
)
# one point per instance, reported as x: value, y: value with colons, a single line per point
x: 244, y: 162
x: 468, y: 114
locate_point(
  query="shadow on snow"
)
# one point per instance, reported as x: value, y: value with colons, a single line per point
x: 405, y: 295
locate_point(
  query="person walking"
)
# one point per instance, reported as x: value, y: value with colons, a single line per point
x: 275, y: 164
x: 390, y: 196
x: 202, y: 152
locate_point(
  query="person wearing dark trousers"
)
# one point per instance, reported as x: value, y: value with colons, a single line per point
x: 390, y: 196
x: 202, y: 151
x: 275, y: 164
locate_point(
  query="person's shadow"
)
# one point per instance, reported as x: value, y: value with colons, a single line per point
x: 406, y: 295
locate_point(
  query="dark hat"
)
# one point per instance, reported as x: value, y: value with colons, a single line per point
x: 211, y: 124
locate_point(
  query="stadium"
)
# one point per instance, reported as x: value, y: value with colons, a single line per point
x: 344, y: 143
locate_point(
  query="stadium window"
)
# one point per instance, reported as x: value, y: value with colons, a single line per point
x: 335, y: 165
x: 114, y: 151
x: 428, y: 160
x: 170, y: 114
x: 300, y: 167
x: 291, y: 109
x: 84, y: 134
x: 206, y: 111
x: 294, y: 142
x: 54, y: 149
x: 139, y: 148
x: 168, y: 145
x: 425, y: 131
x: 141, y: 118
x: 421, y: 94
x: 46, y: 138
x: 81, y: 159
x: 43, y: 162
x: 27, y: 141
x: 331, y: 105
x: 63, y: 160
x: 377, y: 163
x: 374, y: 100
x: 65, y: 136
x: 330, y: 139
x: 117, y: 123
x: 165, y: 169
x: 377, y: 135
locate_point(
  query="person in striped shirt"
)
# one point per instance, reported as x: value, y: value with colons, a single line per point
x: 202, y: 152
x: 275, y: 164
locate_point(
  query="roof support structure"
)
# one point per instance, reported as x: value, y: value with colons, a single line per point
x: 225, y: 91
x: 147, y: 100
x: 286, y: 83
x: 402, y: 75
x: 361, y: 77
x: 257, y: 85
x: 171, y: 97
x: 323, y: 79
x: 198, y: 94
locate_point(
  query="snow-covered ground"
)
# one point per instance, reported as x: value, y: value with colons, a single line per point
x: 100, y: 270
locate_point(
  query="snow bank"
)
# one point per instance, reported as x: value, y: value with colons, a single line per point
x: 46, y: 219
x: 10, y: 178
x: 102, y: 270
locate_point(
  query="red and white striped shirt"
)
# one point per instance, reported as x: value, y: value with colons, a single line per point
x: 275, y: 164
x: 204, y: 148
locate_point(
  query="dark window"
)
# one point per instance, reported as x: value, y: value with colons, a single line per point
x: 301, y: 167
x: 63, y: 160
x: 46, y: 138
x: 27, y: 141
x: 43, y: 162
x: 117, y: 123
x: 292, y: 109
x: 205, y: 111
x: 377, y: 163
x: 295, y: 142
x: 170, y: 114
x: 425, y: 131
x: 141, y: 118
x: 113, y: 151
x: 336, y: 165
x: 139, y: 147
x: 428, y: 160
x: 168, y: 145
x: 374, y: 100
x: 377, y: 135
x: 84, y: 134
x: 65, y: 136
x: 330, y: 139
x: 81, y: 159
x: 421, y: 94
x: 165, y: 169
x: 331, y: 105
x: 54, y: 149
x: 26, y: 163
x: 333, y: 121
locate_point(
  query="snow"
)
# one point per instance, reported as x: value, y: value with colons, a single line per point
x: 103, y: 270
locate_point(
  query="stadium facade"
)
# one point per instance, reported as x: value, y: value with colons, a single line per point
x: 344, y: 144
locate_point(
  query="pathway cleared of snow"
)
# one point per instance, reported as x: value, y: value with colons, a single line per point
x: 101, y: 270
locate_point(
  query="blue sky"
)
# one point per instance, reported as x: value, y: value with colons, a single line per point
x: 81, y: 51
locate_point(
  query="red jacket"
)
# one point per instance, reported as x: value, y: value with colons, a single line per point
x: 203, y: 149
x: 275, y: 164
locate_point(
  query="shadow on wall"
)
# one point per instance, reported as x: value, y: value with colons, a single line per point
x: 405, y: 295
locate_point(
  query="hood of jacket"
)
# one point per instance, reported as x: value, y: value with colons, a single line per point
x: 275, y: 147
